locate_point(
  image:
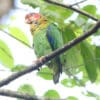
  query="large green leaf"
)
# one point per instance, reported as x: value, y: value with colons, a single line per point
x: 5, y: 55
x: 97, y: 52
x: 26, y: 88
x: 83, y: 24
x: 90, y: 66
x: 91, y: 94
x: 19, y: 34
x: 91, y: 9
x: 52, y: 94
x: 45, y: 73
x: 71, y: 98
x: 98, y: 16
x: 18, y: 68
x: 97, y: 33
x: 53, y: 12
x: 72, y: 56
x: 2, y: 27
x: 82, y: 20
x: 68, y: 82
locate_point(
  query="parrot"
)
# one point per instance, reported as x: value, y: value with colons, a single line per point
x: 47, y: 37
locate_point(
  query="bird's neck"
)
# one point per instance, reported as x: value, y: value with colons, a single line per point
x: 39, y: 27
x: 43, y: 25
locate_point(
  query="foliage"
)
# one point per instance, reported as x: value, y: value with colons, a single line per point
x: 18, y: 68
x: 52, y: 94
x: 26, y: 88
x: 91, y: 67
x: 68, y: 82
x: 51, y: 11
x: 6, y: 57
x: 71, y: 98
x: 70, y: 31
x: 83, y: 57
x: 91, y: 9
x: 19, y: 34
x: 45, y: 73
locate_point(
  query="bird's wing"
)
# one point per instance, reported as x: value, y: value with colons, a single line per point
x: 54, y: 37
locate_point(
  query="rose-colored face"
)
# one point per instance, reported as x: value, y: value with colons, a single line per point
x: 32, y: 17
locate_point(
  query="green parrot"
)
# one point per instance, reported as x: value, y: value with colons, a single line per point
x: 46, y: 38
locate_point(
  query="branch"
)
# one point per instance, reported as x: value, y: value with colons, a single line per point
x: 20, y: 95
x: 48, y: 57
x: 77, y: 3
x: 72, y: 8
x: 21, y: 41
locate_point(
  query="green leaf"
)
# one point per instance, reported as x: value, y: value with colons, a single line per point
x: 19, y: 34
x: 26, y: 88
x: 45, y: 73
x: 90, y: 66
x: 97, y: 33
x: 98, y: 98
x: 81, y: 20
x: 6, y: 57
x: 72, y: 56
x: 68, y: 82
x: 49, y: 10
x: 71, y: 98
x: 3, y: 26
x: 83, y: 24
x: 13, y: 18
x: 18, y: 68
x: 91, y: 94
x: 97, y: 53
x: 68, y: 34
x: 91, y: 9
x: 98, y: 16
x: 64, y: 82
x: 52, y: 94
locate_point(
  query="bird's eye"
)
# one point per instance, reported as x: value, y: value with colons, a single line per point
x: 35, y: 22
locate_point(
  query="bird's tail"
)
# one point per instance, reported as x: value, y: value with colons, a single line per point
x: 58, y: 70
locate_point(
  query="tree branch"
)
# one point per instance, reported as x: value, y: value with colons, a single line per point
x: 20, y: 95
x: 14, y: 94
x: 77, y: 3
x: 72, y: 8
x: 48, y: 57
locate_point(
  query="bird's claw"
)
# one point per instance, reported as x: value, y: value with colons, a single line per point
x: 41, y: 59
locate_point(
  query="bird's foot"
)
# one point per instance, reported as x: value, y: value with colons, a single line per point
x: 41, y: 60
x: 35, y: 62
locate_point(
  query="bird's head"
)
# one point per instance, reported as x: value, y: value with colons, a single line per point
x: 35, y: 18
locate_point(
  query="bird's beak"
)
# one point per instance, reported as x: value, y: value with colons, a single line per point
x: 27, y: 21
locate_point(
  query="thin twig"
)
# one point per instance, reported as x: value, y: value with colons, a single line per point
x: 77, y: 3
x: 37, y: 64
x: 72, y: 8
x: 21, y: 41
